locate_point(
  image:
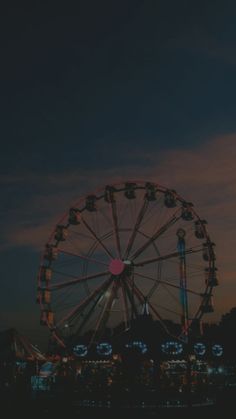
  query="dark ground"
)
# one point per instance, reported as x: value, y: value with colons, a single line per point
x: 224, y: 408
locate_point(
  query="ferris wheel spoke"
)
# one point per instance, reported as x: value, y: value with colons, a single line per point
x: 165, y: 257
x: 87, y: 317
x: 143, y: 299
x: 129, y: 293
x: 96, y: 237
x: 125, y: 305
x: 76, y: 280
x: 173, y: 296
x: 161, y: 281
x: 150, y: 214
x: 155, y: 236
x: 55, y: 336
x: 104, y: 316
x: 153, y: 289
x: 139, y: 220
x: 159, y: 318
x: 166, y: 309
x: 80, y: 234
x: 76, y: 311
x: 115, y: 227
x: 82, y: 257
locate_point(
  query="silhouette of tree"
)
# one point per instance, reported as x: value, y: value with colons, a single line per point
x: 227, y: 328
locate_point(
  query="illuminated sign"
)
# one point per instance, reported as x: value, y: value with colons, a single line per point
x: 141, y: 346
x: 80, y: 350
x: 199, y: 348
x: 172, y: 348
x: 104, y: 349
x: 217, y: 350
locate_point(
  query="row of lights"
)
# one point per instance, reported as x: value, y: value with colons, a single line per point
x: 169, y: 348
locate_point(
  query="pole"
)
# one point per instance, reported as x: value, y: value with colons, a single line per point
x: 183, y: 281
x: 184, y: 303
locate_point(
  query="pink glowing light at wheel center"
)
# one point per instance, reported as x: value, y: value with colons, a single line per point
x: 116, y: 266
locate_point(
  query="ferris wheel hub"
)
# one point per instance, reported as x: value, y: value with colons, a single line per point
x: 116, y: 267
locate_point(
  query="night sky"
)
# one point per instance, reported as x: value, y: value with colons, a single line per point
x: 94, y: 91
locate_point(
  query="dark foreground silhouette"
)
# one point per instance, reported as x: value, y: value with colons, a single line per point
x: 66, y: 405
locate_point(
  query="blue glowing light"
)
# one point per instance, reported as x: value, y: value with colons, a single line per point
x: 217, y: 350
x: 199, y: 348
x: 141, y: 346
x: 104, y: 349
x: 80, y: 350
x: 172, y: 348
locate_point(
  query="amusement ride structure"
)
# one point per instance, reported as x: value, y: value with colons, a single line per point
x: 126, y: 248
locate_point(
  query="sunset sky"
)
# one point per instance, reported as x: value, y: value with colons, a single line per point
x: 98, y: 91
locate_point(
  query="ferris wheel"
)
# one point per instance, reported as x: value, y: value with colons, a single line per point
x: 124, y: 249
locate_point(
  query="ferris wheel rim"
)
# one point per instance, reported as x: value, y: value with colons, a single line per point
x: 208, y: 290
